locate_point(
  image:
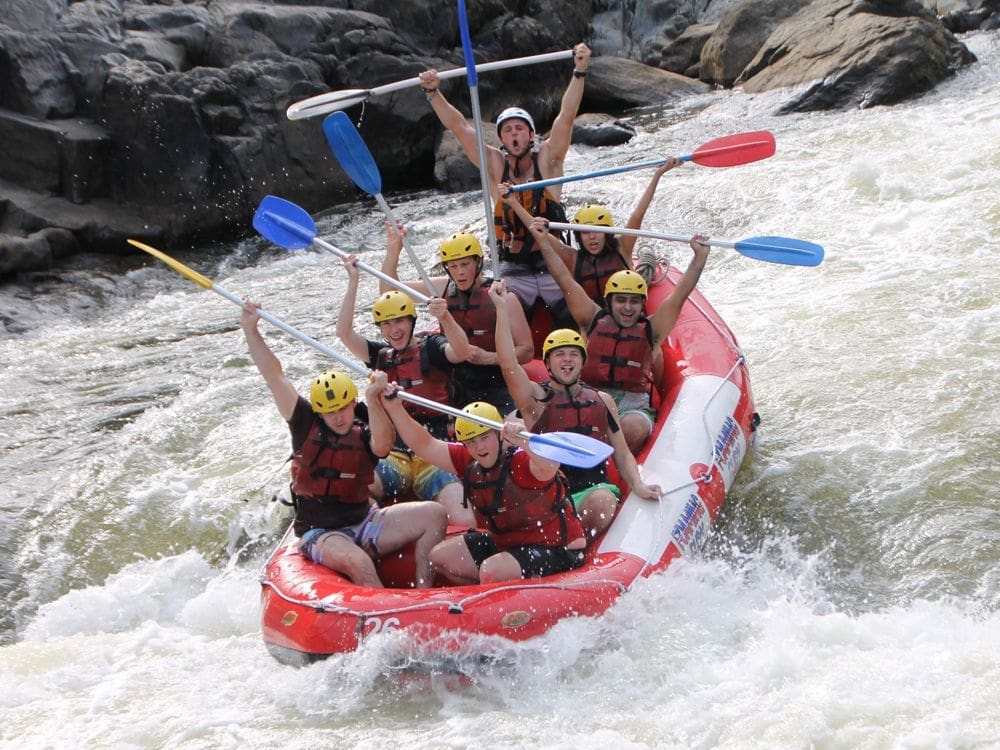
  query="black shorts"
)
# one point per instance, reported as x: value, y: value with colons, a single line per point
x: 535, y: 560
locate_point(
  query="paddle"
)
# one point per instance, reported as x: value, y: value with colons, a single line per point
x: 288, y: 225
x: 331, y: 101
x: 563, y: 447
x: 728, y: 151
x: 357, y: 161
x: 470, y: 66
x: 786, y: 250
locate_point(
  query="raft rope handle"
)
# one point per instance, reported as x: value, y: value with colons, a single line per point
x: 321, y: 606
x: 457, y: 607
x: 714, y: 461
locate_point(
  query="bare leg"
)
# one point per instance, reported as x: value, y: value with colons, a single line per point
x: 596, y: 512
x: 452, y: 559
x: 635, y: 427
x: 451, y: 497
x: 420, y: 522
x: 339, y: 553
x: 500, y: 567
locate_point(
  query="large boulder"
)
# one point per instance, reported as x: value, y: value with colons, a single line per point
x: 616, y: 83
x: 855, y: 53
x: 165, y: 120
x: 738, y: 36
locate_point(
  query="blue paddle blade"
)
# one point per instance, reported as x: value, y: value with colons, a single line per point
x: 352, y: 153
x: 470, y: 60
x: 570, y: 448
x: 284, y: 223
x: 785, y: 250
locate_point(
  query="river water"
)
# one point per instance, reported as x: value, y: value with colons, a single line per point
x: 849, y: 597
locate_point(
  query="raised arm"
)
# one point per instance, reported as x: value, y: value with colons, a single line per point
x: 414, y: 434
x: 521, y: 388
x: 627, y: 241
x: 458, y: 348
x: 390, y: 264
x: 455, y: 121
x: 624, y: 459
x: 580, y: 305
x: 282, y: 389
x: 541, y: 469
x: 670, y: 309
x: 354, y: 341
x: 552, y: 153
x: 382, y: 429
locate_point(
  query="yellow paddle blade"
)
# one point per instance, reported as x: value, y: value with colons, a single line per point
x: 183, y: 270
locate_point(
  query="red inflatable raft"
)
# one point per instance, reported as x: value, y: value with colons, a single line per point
x: 703, y: 432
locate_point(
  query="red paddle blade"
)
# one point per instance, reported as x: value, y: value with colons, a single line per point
x: 732, y: 150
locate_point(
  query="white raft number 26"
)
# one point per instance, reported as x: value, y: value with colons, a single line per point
x: 375, y: 625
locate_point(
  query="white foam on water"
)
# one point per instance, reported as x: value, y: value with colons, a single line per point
x: 850, y: 598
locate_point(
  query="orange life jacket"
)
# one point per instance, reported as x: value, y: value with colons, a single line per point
x: 516, y: 243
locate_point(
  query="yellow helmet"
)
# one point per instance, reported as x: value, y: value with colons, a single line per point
x: 594, y: 214
x: 460, y: 245
x: 625, y: 282
x: 563, y: 337
x: 392, y: 305
x: 331, y: 391
x: 466, y: 429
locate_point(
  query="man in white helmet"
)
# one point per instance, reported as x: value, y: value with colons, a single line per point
x: 521, y: 158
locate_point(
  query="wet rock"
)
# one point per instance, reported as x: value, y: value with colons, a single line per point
x: 165, y: 120
x: 855, y: 53
x: 683, y: 54
x: 594, y: 129
x: 738, y: 37
x: 616, y: 84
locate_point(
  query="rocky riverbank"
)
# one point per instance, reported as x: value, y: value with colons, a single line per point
x: 164, y: 120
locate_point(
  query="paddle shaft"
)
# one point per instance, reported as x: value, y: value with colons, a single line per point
x: 362, y: 370
x: 587, y: 175
x: 470, y: 63
x: 207, y: 283
x: 330, y: 248
x: 635, y: 233
x: 334, y: 100
x: 753, y: 142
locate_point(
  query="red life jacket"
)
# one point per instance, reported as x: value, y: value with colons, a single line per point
x: 593, y: 271
x: 412, y: 369
x: 514, y: 514
x: 475, y: 313
x: 510, y: 230
x: 585, y: 413
x: 617, y: 357
x: 330, y: 478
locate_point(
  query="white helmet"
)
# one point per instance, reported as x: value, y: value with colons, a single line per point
x: 514, y: 113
